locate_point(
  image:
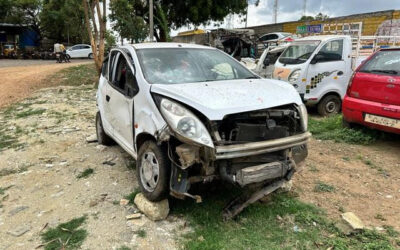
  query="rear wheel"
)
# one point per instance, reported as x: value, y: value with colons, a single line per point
x: 102, y: 137
x: 90, y: 56
x: 329, y: 105
x: 152, y: 171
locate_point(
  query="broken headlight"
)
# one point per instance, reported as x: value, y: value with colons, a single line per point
x: 304, y: 116
x: 185, y: 123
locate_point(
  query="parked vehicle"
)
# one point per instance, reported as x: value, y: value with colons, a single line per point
x: 276, y: 36
x: 373, y: 94
x: 190, y: 113
x: 319, y: 67
x: 80, y: 51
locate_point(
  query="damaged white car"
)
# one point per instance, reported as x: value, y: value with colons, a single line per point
x: 190, y: 114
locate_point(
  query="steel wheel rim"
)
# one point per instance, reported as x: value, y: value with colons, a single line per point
x: 330, y: 106
x: 149, y: 171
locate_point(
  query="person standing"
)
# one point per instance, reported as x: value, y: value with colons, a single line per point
x: 64, y: 53
x: 57, y: 51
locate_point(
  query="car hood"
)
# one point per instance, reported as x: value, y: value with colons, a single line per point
x: 220, y: 98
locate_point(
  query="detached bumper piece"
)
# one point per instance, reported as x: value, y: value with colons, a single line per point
x: 261, y: 173
x: 255, y: 148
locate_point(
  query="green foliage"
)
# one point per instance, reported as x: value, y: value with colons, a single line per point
x: 65, y: 236
x: 323, y: 187
x: 283, y: 223
x: 77, y: 75
x: 85, y: 173
x: 131, y: 196
x: 141, y: 233
x: 63, y: 19
x: 318, y: 17
x: 330, y: 128
x: 171, y: 14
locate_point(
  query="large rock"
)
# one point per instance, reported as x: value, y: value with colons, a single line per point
x: 354, y: 222
x: 153, y: 210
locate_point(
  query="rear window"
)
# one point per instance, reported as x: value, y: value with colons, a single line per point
x: 383, y: 62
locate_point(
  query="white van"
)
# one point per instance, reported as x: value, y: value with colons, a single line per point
x: 319, y: 67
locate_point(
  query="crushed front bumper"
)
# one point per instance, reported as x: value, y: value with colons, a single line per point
x: 255, y: 148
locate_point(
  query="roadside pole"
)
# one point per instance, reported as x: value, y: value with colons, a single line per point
x: 151, y: 20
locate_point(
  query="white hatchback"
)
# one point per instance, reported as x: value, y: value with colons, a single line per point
x: 190, y: 113
x: 80, y: 51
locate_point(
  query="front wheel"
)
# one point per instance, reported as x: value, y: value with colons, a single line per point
x: 329, y: 105
x: 152, y: 171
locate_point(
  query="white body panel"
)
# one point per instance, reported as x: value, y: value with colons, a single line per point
x: 316, y: 80
x: 79, y: 51
x: 124, y: 118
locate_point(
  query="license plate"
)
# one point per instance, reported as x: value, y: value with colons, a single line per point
x: 384, y: 121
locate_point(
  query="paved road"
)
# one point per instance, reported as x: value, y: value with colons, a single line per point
x: 16, y: 63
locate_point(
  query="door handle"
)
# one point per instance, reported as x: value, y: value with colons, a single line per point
x: 340, y: 73
x: 107, y: 98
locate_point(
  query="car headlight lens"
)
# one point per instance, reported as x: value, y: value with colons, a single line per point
x: 294, y: 76
x: 185, y: 123
x: 304, y: 116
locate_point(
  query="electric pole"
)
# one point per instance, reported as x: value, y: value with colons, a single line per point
x: 275, y: 16
x: 151, y: 20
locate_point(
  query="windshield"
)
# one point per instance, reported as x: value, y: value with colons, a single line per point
x: 298, y: 52
x: 386, y: 62
x: 184, y: 65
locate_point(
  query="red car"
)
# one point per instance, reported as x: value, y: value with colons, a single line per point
x: 373, y: 94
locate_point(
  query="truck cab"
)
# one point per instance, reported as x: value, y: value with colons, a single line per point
x: 319, y: 67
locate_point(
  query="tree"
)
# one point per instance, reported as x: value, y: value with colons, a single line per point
x: 173, y: 14
x: 22, y: 12
x: 318, y: 17
x: 96, y: 35
x: 128, y: 26
x: 64, y: 20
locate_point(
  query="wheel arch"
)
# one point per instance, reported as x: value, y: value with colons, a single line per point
x: 141, y: 138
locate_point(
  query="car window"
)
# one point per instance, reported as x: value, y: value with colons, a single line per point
x: 76, y: 47
x: 298, y: 52
x: 331, y: 51
x: 111, y: 71
x: 186, y: 65
x: 86, y: 47
x: 123, y: 78
x: 383, y: 62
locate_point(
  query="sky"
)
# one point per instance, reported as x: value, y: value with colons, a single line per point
x: 292, y: 10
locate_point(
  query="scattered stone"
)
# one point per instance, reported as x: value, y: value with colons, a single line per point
x: 91, y: 139
x: 279, y: 218
x: 201, y: 238
x: 17, y: 210
x: 48, y: 165
x: 344, y: 228
x: 153, y: 210
x: 123, y: 202
x: 133, y: 216
x: 57, y: 194
x: 93, y: 203
x: 20, y: 230
x: 101, y: 148
x: 286, y: 187
x: 354, y: 222
x: 389, y: 196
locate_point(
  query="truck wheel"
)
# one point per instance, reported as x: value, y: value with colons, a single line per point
x: 102, y: 137
x: 152, y: 171
x: 329, y: 105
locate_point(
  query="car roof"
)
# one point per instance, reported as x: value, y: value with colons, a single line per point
x: 167, y: 45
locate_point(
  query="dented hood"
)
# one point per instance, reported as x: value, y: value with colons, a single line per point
x: 219, y: 98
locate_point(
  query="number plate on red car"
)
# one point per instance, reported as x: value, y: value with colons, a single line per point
x: 384, y: 121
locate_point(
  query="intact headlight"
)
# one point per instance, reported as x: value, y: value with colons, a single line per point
x: 294, y: 76
x: 304, y: 116
x: 185, y: 123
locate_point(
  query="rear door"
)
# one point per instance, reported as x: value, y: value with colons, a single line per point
x: 379, y: 78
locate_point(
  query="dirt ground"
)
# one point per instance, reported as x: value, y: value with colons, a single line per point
x: 19, y: 82
x: 41, y: 172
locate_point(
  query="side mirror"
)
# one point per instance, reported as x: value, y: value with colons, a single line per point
x: 266, y: 62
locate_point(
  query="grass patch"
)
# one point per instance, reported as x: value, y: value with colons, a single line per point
x: 2, y: 190
x: 29, y: 112
x: 141, y: 233
x: 330, y: 128
x: 85, y: 173
x: 131, y: 196
x: 8, y: 171
x: 77, y: 75
x: 124, y: 248
x: 323, y: 187
x: 283, y: 223
x: 65, y: 236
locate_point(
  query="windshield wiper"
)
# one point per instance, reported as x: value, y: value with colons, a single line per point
x: 387, y: 71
